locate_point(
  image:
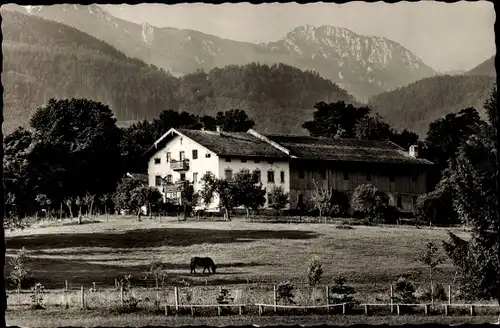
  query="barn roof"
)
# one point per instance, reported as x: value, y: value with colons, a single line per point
x: 254, y: 144
x: 350, y: 150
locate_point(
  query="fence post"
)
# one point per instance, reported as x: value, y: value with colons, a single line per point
x: 260, y: 309
x: 397, y: 308
x: 432, y: 294
x: 275, y: 299
x: 392, y: 299
x: 449, y: 294
x: 166, y: 310
x: 176, y: 292
x: 121, y: 293
x: 446, y: 306
x: 343, y: 308
x: 83, y: 297
x: 327, y: 298
x: 472, y: 312
x: 241, y: 310
x: 426, y: 309
x: 366, y: 309
x: 65, y: 285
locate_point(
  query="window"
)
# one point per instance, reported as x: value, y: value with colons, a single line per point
x: 195, y: 154
x: 228, y: 173
x: 301, y: 174
x: 158, y: 180
x: 399, y: 201
x: 169, y: 178
x: 282, y: 176
x: 257, y: 176
x: 183, y: 176
x: 346, y: 175
x: 228, y: 159
x: 256, y: 161
x: 207, y: 155
x: 169, y: 157
x: 181, y: 155
x: 392, y: 177
x: 195, y: 177
x: 270, y: 176
x: 157, y: 160
x: 243, y: 160
x: 368, y: 176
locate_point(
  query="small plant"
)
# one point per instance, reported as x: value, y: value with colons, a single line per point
x: 20, y: 272
x: 431, y: 258
x: 157, y: 271
x: 224, y: 297
x: 405, y: 292
x: 315, y: 271
x: 340, y: 292
x: 284, y: 293
x: 438, y: 293
x: 188, y: 293
x: 277, y: 199
x: 130, y: 305
x: 37, y: 292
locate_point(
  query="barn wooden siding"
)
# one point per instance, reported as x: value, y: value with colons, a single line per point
x: 409, y: 180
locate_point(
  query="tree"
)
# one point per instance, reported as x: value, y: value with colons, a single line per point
x: 74, y: 137
x: 372, y: 128
x: 321, y: 198
x: 404, y: 138
x: 329, y: 119
x: 189, y: 198
x: 248, y: 194
x: 234, y: 120
x: 370, y: 201
x: 224, y: 189
x: 474, y: 177
x: 123, y: 194
x: 20, y: 271
x: 277, y: 199
x: 431, y: 258
x: 340, y: 292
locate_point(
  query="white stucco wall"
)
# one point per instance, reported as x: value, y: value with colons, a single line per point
x: 264, y: 166
x: 200, y: 165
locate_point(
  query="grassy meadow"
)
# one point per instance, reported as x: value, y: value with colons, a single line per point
x: 246, y: 253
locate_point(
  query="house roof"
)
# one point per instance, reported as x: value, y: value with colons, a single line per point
x: 138, y: 176
x: 254, y: 144
x: 350, y: 150
x: 233, y: 144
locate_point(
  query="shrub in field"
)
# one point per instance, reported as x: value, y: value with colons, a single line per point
x: 20, y: 271
x: 431, y: 258
x: 370, y: 202
x: 404, y: 292
x: 314, y: 272
x: 277, y: 199
x: 224, y: 297
x: 157, y: 271
x: 284, y: 293
x: 438, y: 293
x: 340, y: 293
x: 339, y: 204
x: 36, y: 296
x: 436, y: 207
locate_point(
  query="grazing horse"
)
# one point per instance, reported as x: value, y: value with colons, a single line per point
x: 206, y: 262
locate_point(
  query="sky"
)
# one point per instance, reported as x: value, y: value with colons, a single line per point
x: 446, y: 36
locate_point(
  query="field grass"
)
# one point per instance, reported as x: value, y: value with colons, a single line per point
x: 246, y: 253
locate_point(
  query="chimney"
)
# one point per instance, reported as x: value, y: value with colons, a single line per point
x: 413, y: 151
x: 218, y: 129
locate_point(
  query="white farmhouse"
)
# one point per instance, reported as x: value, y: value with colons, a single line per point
x: 182, y: 154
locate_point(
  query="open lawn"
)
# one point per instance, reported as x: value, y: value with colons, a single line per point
x: 246, y: 253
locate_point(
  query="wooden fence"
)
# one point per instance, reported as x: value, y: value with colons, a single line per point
x: 87, y: 298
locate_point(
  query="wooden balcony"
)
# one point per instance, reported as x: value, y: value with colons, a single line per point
x: 179, y: 165
x: 172, y: 187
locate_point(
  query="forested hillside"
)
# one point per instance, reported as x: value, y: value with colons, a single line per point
x: 417, y: 105
x: 485, y: 68
x: 45, y: 59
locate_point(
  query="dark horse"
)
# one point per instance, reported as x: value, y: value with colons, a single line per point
x: 206, y: 262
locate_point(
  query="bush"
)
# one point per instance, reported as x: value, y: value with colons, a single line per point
x: 284, y: 293
x: 371, y: 202
x: 341, y: 293
x: 405, y: 292
x: 20, y: 271
x: 436, y: 207
x: 339, y: 204
x: 37, y: 292
x: 439, y: 293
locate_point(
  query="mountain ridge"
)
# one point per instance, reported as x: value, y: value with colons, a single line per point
x: 363, y: 65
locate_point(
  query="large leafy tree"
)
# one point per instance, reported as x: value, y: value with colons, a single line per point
x: 234, y: 120
x: 335, y: 119
x: 474, y: 174
x: 248, y: 193
x: 224, y: 189
x: 372, y: 128
x: 80, y: 140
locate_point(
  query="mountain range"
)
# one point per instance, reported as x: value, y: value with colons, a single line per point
x: 362, y: 65
x: 139, y: 70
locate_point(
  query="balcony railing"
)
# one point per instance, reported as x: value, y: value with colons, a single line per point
x: 182, y: 165
x: 172, y: 187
